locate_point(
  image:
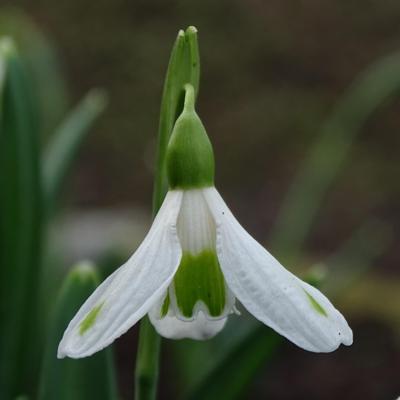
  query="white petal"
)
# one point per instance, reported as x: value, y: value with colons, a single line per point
x: 200, y: 328
x: 270, y: 292
x: 128, y: 294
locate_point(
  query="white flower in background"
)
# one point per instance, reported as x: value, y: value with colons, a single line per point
x: 194, y: 263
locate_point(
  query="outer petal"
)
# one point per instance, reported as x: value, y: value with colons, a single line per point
x: 128, y: 294
x: 199, y: 328
x: 272, y: 294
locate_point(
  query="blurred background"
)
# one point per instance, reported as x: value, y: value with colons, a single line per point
x: 299, y: 100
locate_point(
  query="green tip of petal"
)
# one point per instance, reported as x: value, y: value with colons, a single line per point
x: 90, y: 319
x: 314, y: 303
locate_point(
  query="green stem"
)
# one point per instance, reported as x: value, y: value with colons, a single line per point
x: 190, y: 97
x: 147, y: 362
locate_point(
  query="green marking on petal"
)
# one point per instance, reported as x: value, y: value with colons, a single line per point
x: 317, y: 307
x: 90, y: 319
x: 165, y: 306
x: 199, y: 278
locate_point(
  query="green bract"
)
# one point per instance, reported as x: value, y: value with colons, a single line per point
x: 190, y: 158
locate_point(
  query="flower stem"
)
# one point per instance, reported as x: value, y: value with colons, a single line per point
x: 190, y: 97
x: 147, y: 362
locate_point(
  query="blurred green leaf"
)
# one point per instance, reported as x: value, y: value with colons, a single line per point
x: 183, y: 67
x: 20, y: 223
x: 371, y: 89
x: 361, y: 300
x: 356, y: 255
x: 230, y: 378
x: 41, y: 59
x: 89, y: 378
x: 65, y: 143
x: 196, y: 359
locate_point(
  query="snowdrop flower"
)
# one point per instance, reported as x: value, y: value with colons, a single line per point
x: 195, y: 262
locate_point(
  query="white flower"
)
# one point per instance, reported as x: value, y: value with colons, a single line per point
x: 194, y: 263
x: 195, y: 222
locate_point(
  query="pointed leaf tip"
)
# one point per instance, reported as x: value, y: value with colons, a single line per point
x: 85, y: 271
x: 7, y: 46
x: 191, y: 29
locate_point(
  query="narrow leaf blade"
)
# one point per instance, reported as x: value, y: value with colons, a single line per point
x: 65, y: 143
x: 380, y: 82
x: 230, y: 378
x: 20, y: 222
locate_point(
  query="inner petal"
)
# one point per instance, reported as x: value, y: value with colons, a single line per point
x: 195, y: 225
x: 199, y: 284
x: 200, y: 328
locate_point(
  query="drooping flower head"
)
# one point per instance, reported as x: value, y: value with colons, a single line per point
x: 195, y: 263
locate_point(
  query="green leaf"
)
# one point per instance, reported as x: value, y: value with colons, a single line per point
x: 88, y: 378
x: 20, y: 223
x: 356, y: 255
x: 183, y: 67
x: 231, y: 377
x: 43, y: 64
x: 331, y: 149
x: 65, y: 143
x: 195, y: 359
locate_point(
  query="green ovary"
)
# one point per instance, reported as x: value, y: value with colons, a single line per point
x: 199, y: 278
